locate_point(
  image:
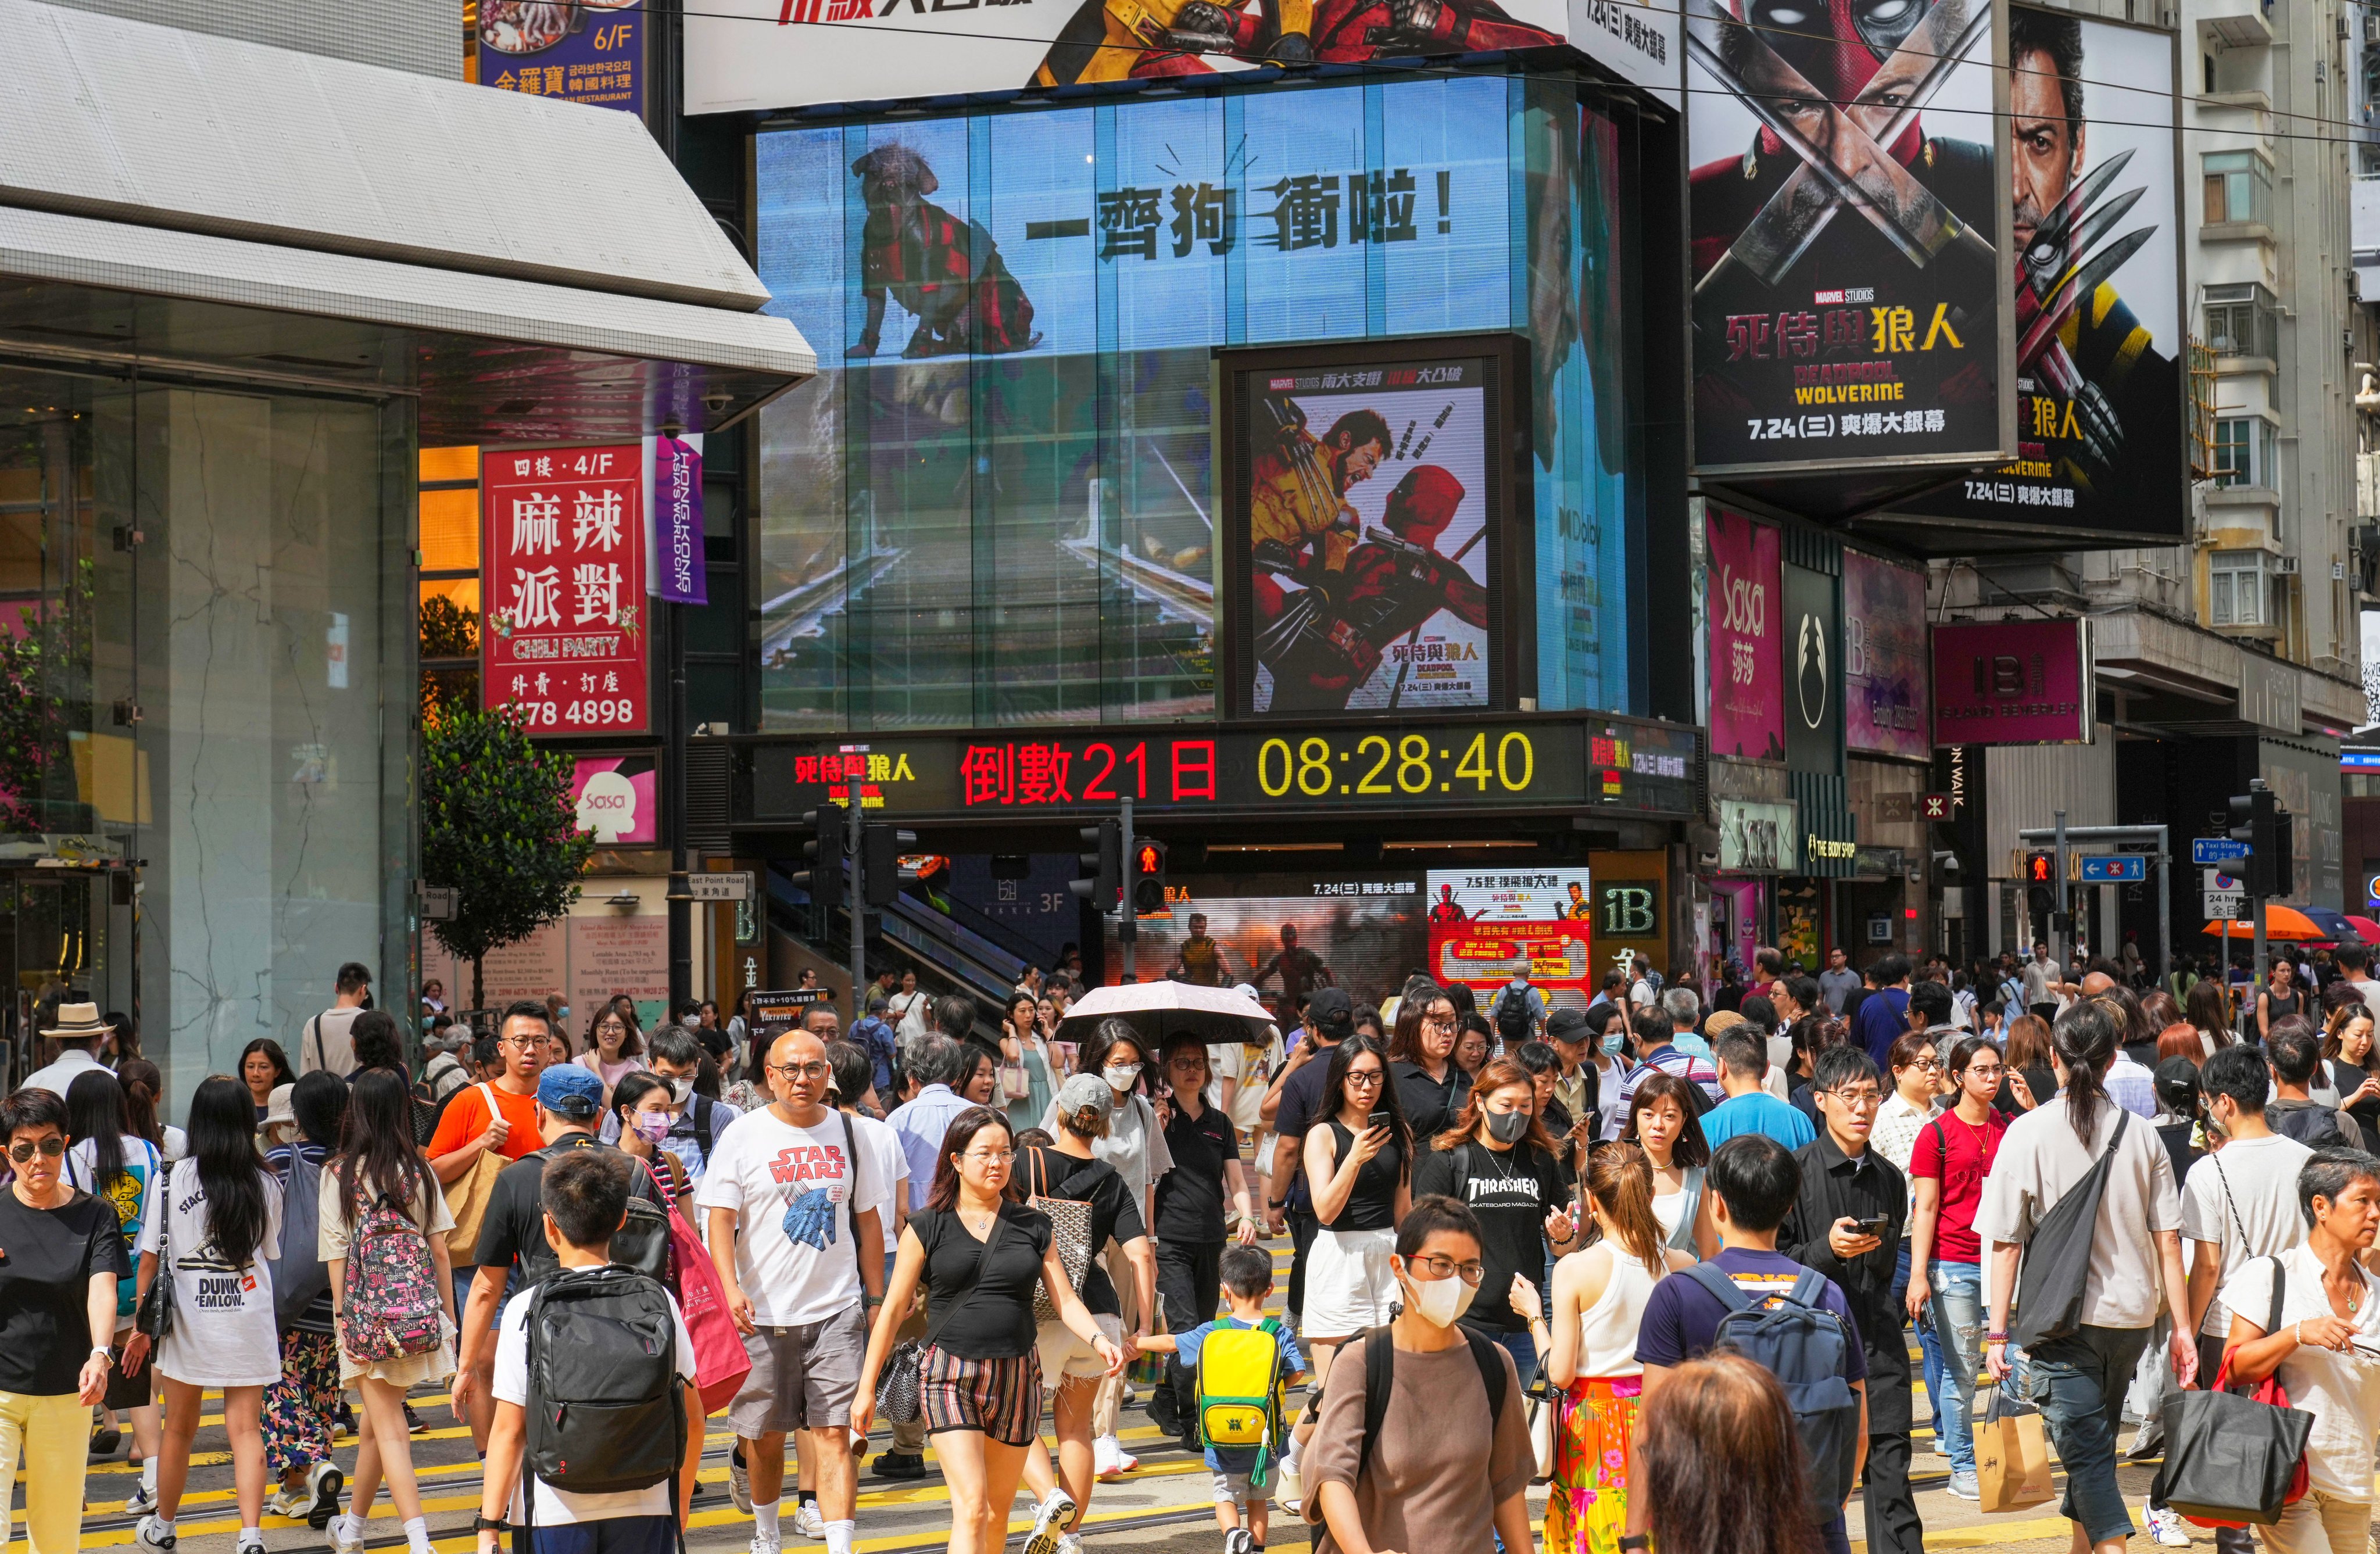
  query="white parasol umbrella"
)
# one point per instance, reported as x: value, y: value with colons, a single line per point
x: 1157, y: 1009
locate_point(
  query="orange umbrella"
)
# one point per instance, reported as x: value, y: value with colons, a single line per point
x: 2280, y: 922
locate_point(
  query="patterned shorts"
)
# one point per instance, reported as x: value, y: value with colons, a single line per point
x: 1001, y: 1398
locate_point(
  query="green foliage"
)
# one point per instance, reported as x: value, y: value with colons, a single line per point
x: 497, y: 825
x: 448, y: 631
x: 45, y: 681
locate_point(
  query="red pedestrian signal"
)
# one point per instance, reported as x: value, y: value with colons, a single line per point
x: 2041, y: 869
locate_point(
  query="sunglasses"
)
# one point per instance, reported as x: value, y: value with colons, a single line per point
x: 53, y: 1147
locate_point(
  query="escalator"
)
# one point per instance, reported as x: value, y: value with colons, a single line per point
x: 957, y: 951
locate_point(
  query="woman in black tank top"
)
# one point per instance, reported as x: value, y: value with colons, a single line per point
x: 2279, y: 999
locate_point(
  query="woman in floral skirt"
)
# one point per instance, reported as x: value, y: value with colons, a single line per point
x: 1600, y: 1295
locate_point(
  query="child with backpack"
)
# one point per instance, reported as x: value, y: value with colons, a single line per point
x: 1243, y: 1361
x: 1791, y: 1319
x: 383, y: 1239
x: 596, y: 1402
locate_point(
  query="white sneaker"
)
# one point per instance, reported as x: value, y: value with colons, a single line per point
x: 763, y: 1543
x: 1106, y: 1457
x: 807, y: 1522
x: 346, y: 1534
x: 324, y: 1482
x: 1069, y: 1544
x: 1239, y: 1540
x: 141, y: 1501
x: 149, y: 1535
x: 1055, y: 1512
x: 739, y: 1484
x: 289, y: 1504
x: 2166, y: 1527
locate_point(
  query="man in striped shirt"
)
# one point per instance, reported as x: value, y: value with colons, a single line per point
x: 1650, y: 1036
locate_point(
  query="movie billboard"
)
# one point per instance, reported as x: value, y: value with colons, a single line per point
x: 2099, y: 384
x: 1368, y: 536
x: 1287, y: 935
x: 743, y: 54
x: 1487, y: 926
x: 1846, y: 246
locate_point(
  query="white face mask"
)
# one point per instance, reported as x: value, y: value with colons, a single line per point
x: 1119, y: 1076
x: 1440, y: 1301
x: 681, y: 1090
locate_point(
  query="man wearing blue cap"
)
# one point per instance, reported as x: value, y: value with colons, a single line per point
x: 513, y: 1252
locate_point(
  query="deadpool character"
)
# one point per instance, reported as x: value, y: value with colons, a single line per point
x: 1351, y: 31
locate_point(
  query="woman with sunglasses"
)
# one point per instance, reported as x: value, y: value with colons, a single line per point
x: 1948, y: 1162
x: 214, y: 1232
x: 57, y: 1313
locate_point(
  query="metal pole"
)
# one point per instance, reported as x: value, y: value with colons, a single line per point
x: 2164, y: 903
x: 2256, y: 913
x: 2065, y: 909
x: 858, y: 900
x: 681, y: 908
x: 1128, y: 924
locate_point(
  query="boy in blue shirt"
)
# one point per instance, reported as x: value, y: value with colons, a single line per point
x: 1247, y: 1281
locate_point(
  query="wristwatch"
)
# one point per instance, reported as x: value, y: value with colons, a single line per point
x: 1637, y: 1540
x: 491, y: 1525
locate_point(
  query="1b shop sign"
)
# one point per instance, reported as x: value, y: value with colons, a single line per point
x: 562, y: 578
x: 2012, y: 682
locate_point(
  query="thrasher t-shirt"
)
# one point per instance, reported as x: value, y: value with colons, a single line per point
x: 798, y: 1193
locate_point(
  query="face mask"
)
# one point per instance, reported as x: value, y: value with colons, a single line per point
x: 652, y: 1127
x: 680, y: 1091
x: 1120, y: 1076
x: 1441, y: 1302
x: 564, y: 1015
x: 1506, y: 1127
x: 1612, y: 1039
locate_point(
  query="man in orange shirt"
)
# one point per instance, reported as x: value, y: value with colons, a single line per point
x: 500, y: 1115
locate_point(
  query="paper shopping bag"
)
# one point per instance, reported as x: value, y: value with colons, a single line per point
x: 2011, y: 1453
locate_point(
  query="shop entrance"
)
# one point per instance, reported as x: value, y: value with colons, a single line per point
x: 63, y: 939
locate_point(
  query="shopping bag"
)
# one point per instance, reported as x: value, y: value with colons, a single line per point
x: 2234, y: 1461
x: 721, y: 1361
x: 2011, y: 1453
x: 1545, y: 1417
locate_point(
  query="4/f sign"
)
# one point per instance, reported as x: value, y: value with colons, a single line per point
x: 562, y: 536
x: 2110, y: 870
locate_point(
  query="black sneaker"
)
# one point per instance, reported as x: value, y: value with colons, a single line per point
x: 1165, y: 1410
x: 414, y: 1422
x: 899, y: 1464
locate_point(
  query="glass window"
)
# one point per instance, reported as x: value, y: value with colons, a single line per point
x: 994, y: 504
x: 2235, y: 587
x: 2238, y: 450
x: 449, y: 463
x: 2238, y: 187
x: 2239, y: 320
x: 450, y: 530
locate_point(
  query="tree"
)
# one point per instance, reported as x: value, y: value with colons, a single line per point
x: 498, y: 826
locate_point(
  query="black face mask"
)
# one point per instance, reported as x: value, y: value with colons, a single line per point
x: 1507, y: 1128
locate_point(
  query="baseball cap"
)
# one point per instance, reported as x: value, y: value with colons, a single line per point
x: 1566, y: 1025
x: 1332, y: 1011
x: 568, y: 1090
x: 1084, y: 1090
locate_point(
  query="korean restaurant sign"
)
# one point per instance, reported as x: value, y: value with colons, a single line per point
x: 562, y: 587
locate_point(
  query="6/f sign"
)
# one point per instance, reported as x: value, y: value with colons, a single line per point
x: 2114, y: 868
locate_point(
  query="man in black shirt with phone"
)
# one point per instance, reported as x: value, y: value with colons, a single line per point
x: 1846, y: 1223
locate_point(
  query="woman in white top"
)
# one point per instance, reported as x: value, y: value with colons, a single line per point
x: 1661, y: 1122
x: 1600, y: 1295
x: 2323, y: 1347
x: 215, y: 1231
x: 905, y: 1011
x: 615, y: 1047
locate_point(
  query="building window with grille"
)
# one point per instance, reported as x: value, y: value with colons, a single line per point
x: 2236, y: 594
x: 2240, y: 319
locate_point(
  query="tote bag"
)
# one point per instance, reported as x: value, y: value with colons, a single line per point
x: 2234, y: 1461
x: 721, y: 1363
x: 467, y: 1194
x: 1070, y: 1231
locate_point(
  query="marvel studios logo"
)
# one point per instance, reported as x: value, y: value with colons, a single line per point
x: 1848, y: 294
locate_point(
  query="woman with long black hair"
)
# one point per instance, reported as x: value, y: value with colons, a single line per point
x: 378, y: 1185
x: 1360, y: 1163
x: 111, y: 1162
x: 213, y: 1232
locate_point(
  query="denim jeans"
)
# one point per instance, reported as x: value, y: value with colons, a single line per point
x: 1520, y: 1345
x: 1928, y: 1351
x: 2079, y: 1383
x: 1958, y: 1334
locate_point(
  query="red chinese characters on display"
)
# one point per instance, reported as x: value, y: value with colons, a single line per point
x: 562, y: 587
x: 1033, y: 773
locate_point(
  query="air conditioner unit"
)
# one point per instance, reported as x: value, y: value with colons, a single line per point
x: 2286, y: 567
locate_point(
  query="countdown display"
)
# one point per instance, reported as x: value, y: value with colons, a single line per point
x: 1625, y: 765
x: 562, y: 537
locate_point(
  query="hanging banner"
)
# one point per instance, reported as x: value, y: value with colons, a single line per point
x: 677, y: 520
x: 2012, y: 682
x: 1814, y: 678
x: 562, y: 577
x: 1849, y: 269
x: 1747, y: 700
x: 1884, y: 693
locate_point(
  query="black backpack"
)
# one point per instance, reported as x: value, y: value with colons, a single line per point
x: 2314, y: 1127
x: 641, y: 1243
x: 1380, y: 1372
x: 1807, y: 1349
x: 1512, y: 1022
x: 606, y: 1412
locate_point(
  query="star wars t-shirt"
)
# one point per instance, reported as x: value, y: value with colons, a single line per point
x: 797, y: 1191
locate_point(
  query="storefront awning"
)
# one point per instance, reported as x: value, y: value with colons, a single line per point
x: 523, y: 243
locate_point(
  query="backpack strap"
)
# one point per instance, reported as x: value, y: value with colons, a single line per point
x: 1380, y: 1376
x: 1809, y: 1290
x: 1727, y: 1291
x: 859, y: 1253
x: 1492, y: 1375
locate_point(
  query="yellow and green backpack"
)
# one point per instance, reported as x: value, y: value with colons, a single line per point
x: 1240, y: 1393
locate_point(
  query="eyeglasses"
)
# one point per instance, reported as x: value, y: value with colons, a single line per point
x: 521, y: 1043
x: 814, y: 1070
x: 1369, y: 1078
x: 989, y: 1156
x: 1447, y: 1268
x: 1985, y: 1071
x: 52, y: 1146
x: 1857, y: 1098
x: 1931, y: 1066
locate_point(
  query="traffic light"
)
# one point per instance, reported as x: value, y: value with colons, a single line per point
x: 1103, y: 866
x: 2041, y: 869
x: 824, y: 853
x: 1147, y: 877
x: 2257, y: 819
x: 879, y: 851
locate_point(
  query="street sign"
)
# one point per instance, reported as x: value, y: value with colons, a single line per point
x: 437, y: 904
x: 1934, y: 807
x: 2222, y: 896
x: 2215, y: 849
x: 2114, y: 868
x: 737, y: 886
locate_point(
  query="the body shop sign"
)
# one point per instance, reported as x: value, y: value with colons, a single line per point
x: 563, y: 545
x: 2012, y: 682
x: 1747, y: 700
